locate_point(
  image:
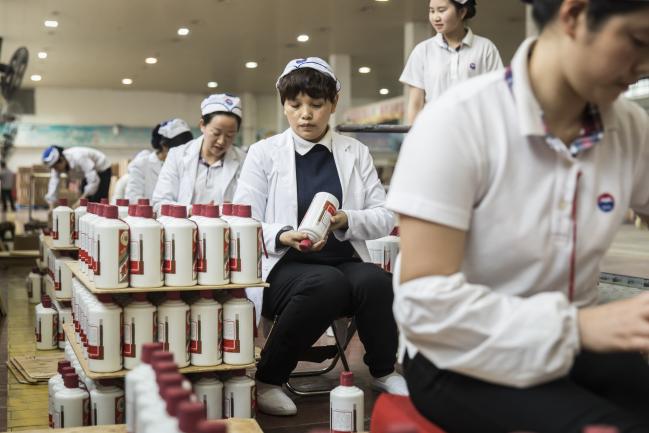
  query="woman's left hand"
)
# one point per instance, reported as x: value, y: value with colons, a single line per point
x: 339, y: 221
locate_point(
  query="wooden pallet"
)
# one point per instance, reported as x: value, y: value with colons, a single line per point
x: 38, y: 367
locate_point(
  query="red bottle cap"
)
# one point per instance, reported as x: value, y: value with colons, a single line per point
x: 211, y: 211
x: 63, y: 202
x: 143, y: 201
x: 168, y: 381
x: 144, y: 211
x: 132, y: 210
x: 163, y: 367
x: 189, y: 415
x: 179, y: 212
x: 197, y: 210
x: 174, y: 397
x: 105, y: 298
x: 111, y: 212
x: 395, y: 231
x: 148, y: 349
x: 47, y: 302
x: 207, y: 294
x: 244, y: 211
x: 91, y: 208
x: 139, y: 297
x: 103, y: 201
x: 83, y: 202
x: 306, y: 244
x: 36, y: 270
x: 71, y: 380
x: 347, y: 378
x: 601, y: 429
x: 122, y: 202
x: 161, y: 356
x: 68, y: 370
x: 165, y: 209
x: 239, y: 373
x: 226, y: 209
x: 173, y: 296
x: 213, y: 427
x: 61, y: 365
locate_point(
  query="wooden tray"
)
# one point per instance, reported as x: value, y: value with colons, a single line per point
x: 76, y: 271
x: 50, y: 244
x: 20, y: 377
x: 39, y: 368
x: 70, y: 336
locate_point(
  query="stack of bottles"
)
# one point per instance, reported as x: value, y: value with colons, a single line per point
x: 201, y: 332
x: 384, y: 251
x: 124, y: 245
x: 160, y: 399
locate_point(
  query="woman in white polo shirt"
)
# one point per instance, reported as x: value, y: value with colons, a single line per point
x: 511, y: 188
x: 453, y: 55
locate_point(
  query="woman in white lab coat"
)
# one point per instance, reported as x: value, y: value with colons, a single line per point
x: 310, y: 289
x: 205, y: 169
x: 89, y: 164
x: 143, y: 172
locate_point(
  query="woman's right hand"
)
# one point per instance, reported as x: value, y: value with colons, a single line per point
x: 617, y: 326
x: 293, y: 238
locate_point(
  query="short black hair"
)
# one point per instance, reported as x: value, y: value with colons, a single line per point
x: 156, y: 137
x: 207, y: 118
x: 310, y: 81
x: 469, y: 6
x: 544, y: 11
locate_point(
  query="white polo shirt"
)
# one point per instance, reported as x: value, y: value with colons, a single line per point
x: 434, y: 66
x: 539, y: 217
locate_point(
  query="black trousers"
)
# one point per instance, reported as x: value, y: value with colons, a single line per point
x: 104, y: 186
x: 307, y: 298
x: 610, y: 389
x: 6, y: 196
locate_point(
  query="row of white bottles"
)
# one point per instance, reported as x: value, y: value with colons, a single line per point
x: 63, y: 225
x: 384, y: 251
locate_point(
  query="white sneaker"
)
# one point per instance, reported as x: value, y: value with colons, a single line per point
x: 272, y: 400
x: 393, y: 383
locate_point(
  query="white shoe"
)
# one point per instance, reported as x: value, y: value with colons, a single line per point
x: 272, y: 400
x: 393, y: 383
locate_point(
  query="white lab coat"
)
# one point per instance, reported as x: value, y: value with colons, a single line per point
x: 268, y: 184
x: 143, y: 175
x: 82, y: 161
x: 178, y: 175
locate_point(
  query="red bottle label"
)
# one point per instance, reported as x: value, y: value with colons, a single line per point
x: 122, y: 256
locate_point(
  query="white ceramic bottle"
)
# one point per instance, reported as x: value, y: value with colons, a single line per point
x: 71, y: 404
x: 104, y: 336
x: 34, y: 286
x: 238, y: 331
x: 384, y: 251
x: 112, y: 238
x: 47, y: 324
x: 107, y: 404
x: 143, y: 373
x: 206, y: 330
x: 63, y: 224
x: 85, y: 224
x: 209, y: 391
x: 122, y: 207
x: 347, y: 406
x: 174, y: 328
x: 180, y: 249
x: 239, y: 396
x: 147, y: 249
x: 79, y: 212
x: 65, y: 317
x: 246, y: 245
x: 213, y: 263
x: 140, y: 327
x: 92, y: 239
x: 57, y: 379
x: 317, y: 220
x: 63, y: 277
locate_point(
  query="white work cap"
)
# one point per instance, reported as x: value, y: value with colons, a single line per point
x: 221, y: 102
x: 310, y: 62
x: 173, y: 128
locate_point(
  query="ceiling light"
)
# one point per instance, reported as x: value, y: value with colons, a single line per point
x: 251, y: 65
x: 384, y: 91
x: 382, y: 0
x: 303, y: 38
x: 51, y: 24
x: 212, y: 84
x: 364, y: 70
x: 42, y: 55
x: 127, y: 81
x: 151, y: 60
x: 36, y: 77
x: 183, y: 31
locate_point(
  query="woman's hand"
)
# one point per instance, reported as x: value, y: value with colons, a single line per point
x: 293, y: 238
x: 617, y: 326
x: 339, y: 221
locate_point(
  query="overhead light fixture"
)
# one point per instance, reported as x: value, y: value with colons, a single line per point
x: 384, y: 91
x: 212, y: 84
x: 382, y: 0
x: 51, y: 24
x: 151, y: 60
x: 364, y: 70
x: 183, y: 31
x: 127, y: 81
x: 42, y: 55
x: 303, y: 38
x: 251, y: 65
x: 36, y: 77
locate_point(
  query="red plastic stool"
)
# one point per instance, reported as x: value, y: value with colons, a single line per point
x: 390, y: 410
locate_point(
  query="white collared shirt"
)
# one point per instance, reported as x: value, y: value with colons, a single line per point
x: 209, y: 181
x: 435, y: 67
x: 538, y: 218
x: 303, y: 146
